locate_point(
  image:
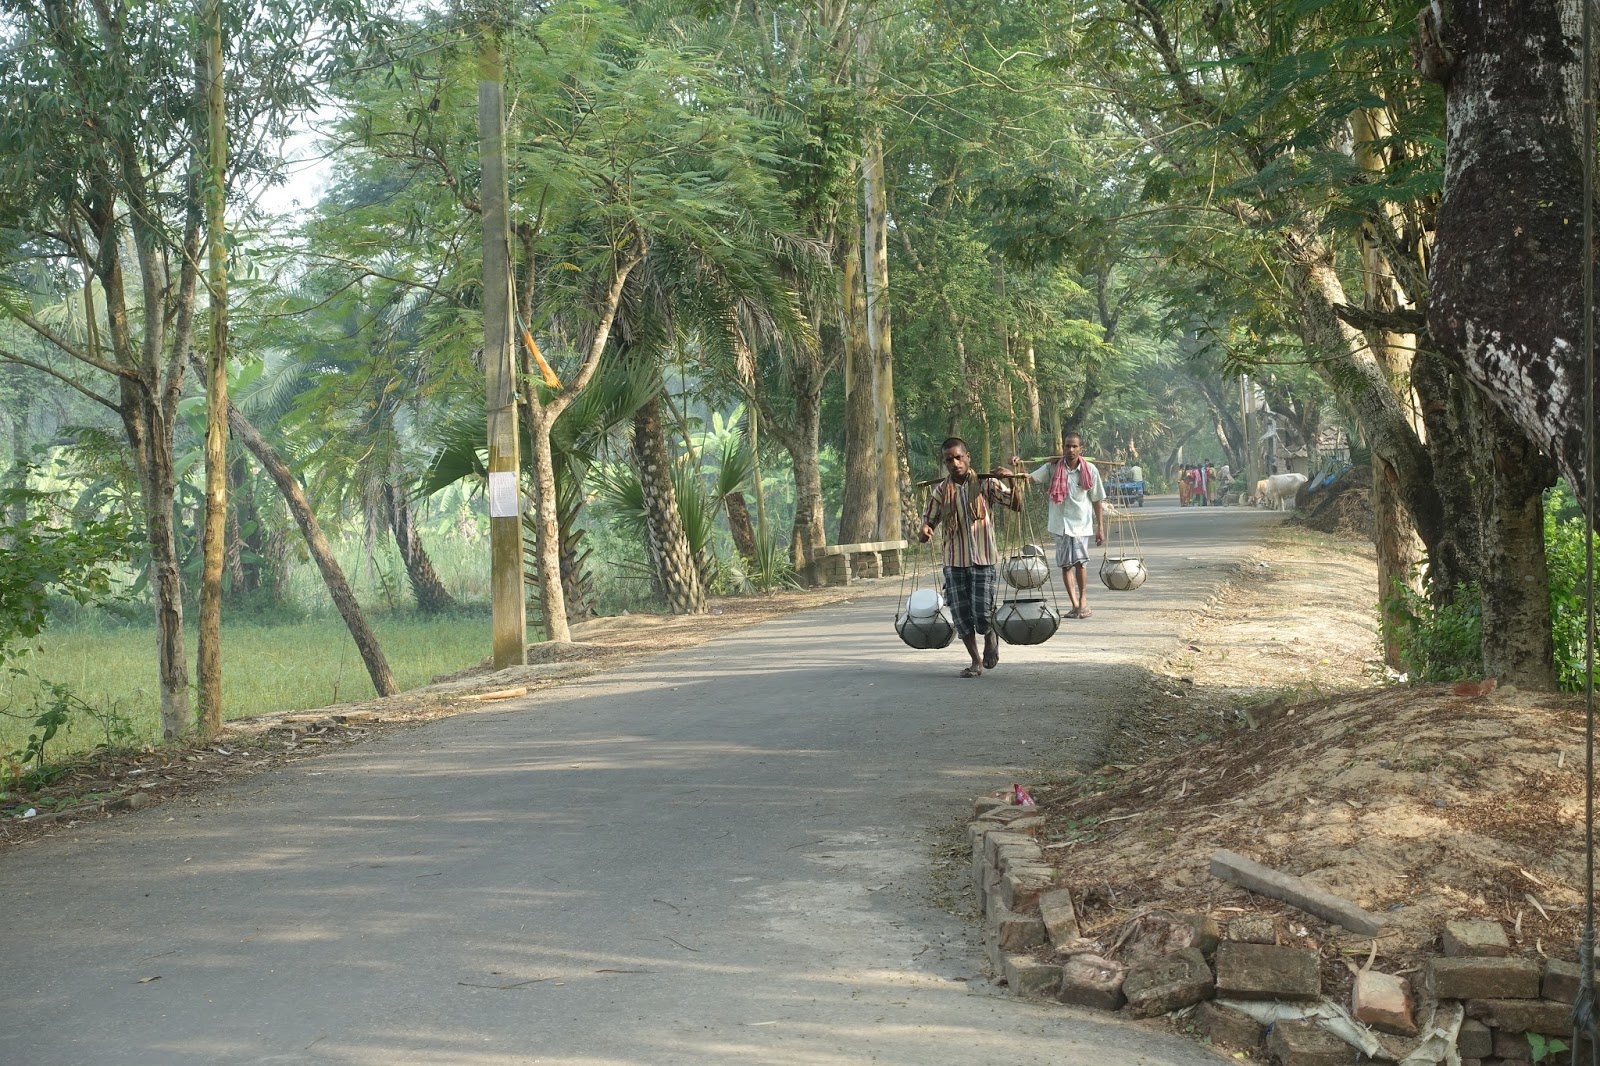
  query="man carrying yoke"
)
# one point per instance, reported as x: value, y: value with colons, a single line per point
x: 963, y: 505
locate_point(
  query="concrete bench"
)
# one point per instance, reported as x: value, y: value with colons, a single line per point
x: 839, y: 564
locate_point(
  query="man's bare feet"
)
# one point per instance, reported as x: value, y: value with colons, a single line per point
x: 991, y: 653
x: 975, y: 670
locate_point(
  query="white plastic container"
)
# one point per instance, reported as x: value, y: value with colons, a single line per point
x: 924, y: 603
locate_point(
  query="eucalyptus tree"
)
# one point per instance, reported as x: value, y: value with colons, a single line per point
x: 114, y: 205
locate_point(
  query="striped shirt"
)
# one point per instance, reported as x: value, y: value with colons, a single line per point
x: 967, y: 514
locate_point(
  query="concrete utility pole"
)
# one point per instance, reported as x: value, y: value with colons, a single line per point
x: 510, y: 612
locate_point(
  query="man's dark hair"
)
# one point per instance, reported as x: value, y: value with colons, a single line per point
x: 1069, y: 434
x: 954, y: 442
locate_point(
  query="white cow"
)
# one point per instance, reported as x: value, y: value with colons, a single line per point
x: 1275, y: 490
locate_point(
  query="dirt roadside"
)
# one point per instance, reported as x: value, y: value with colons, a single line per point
x: 1271, y: 732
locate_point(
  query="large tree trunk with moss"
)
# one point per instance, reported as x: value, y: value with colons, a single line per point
x: 670, y: 553
x: 1518, y: 643
x: 1507, y: 296
x: 430, y: 594
x: 338, y: 588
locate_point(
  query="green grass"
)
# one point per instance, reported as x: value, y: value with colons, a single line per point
x: 265, y: 668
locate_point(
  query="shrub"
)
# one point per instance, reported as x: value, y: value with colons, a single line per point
x: 48, y: 553
x: 1564, y: 553
x: 1440, y: 643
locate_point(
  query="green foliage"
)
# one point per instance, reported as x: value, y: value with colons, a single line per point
x: 1541, y: 1048
x: 55, y: 708
x: 1444, y: 643
x: 619, y: 489
x: 774, y: 568
x: 1564, y: 554
x: 1440, y: 643
x: 48, y: 552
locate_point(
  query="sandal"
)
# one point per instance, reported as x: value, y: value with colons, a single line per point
x: 1073, y: 613
x: 1084, y: 612
x: 991, y: 658
x: 972, y: 671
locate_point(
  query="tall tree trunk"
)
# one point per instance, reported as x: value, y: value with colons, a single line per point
x: 669, y: 548
x: 430, y: 594
x: 338, y: 588
x: 809, y: 534
x: 248, y: 549
x: 878, y: 332
x: 1399, y: 549
x: 208, y: 669
x: 1358, y: 379
x: 150, y: 437
x: 167, y: 581
x: 739, y: 525
x: 1451, y: 413
x: 1518, y: 642
x: 547, y: 523
x: 858, y: 517
x: 1030, y: 382
x: 1509, y: 258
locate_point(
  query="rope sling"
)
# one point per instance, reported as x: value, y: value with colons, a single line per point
x: 1028, y: 611
x: 1122, y: 566
x: 923, y: 620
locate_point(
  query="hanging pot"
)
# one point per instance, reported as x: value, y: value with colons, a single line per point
x: 1026, y: 571
x: 926, y: 632
x: 1123, y: 574
x: 1026, y: 621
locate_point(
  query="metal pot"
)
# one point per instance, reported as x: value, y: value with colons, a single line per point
x: 1123, y: 575
x: 933, y: 631
x: 1026, y: 621
x: 1025, y: 571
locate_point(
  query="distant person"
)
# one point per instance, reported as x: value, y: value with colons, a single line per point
x: 1076, y: 514
x: 1185, y: 486
x: 1213, y: 486
x: 1202, y: 487
x: 963, y: 506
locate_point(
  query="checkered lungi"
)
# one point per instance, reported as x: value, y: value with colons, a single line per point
x: 969, y: 590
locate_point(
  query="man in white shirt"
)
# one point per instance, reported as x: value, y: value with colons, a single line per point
x: 1076, y: 514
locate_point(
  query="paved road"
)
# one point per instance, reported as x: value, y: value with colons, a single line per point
x: 724, y: 855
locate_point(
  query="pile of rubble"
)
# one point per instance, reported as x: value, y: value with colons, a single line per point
x: 1241, y: 986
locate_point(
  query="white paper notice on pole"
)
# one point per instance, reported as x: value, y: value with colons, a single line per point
x: 503, y: 494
